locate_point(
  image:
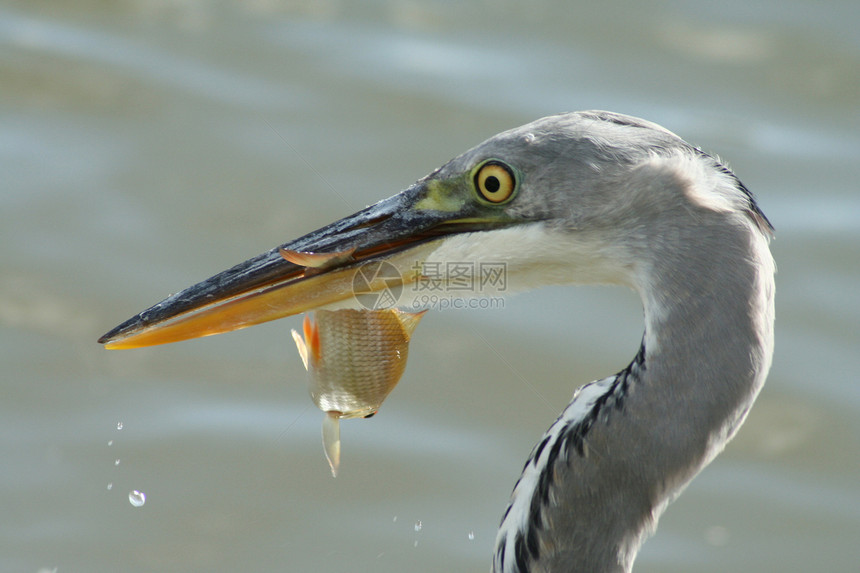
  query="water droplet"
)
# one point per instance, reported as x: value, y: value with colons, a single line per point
x: 119, y: 425
x: 415, y: 543
x: 529, y: 138
x: 418, y: 525
x: 116, y: 462
x: 110, y: 486
x: 395, y: 519
x: 110, y: 442
x: 136, y: 498
x: 471, y: 535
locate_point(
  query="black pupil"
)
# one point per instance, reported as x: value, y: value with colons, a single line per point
x: 491, y: 184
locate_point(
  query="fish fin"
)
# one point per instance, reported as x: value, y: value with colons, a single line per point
x: 331, y: 440
x: 312, y: 339
x: 409, y: 321
x: 303, y: 349
x: 315, y: 260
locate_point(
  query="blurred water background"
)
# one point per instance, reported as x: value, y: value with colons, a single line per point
x: 146, y: 144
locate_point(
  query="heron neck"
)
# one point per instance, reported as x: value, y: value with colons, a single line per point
x: 708, y: 339
x: 595, y: 486
x: 707, y: 350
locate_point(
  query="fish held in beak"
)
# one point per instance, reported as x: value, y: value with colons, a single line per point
x: 354, y: 359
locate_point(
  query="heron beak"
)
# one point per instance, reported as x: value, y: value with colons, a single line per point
x: 310, y: 272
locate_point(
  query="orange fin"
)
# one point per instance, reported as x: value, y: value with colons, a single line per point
x: 312, y: 338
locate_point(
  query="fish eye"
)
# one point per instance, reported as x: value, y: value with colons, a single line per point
x: 495, y: 181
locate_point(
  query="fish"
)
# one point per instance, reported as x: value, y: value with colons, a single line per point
x: 354, y: 359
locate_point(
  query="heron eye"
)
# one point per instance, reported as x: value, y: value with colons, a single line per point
x: 495, y: 182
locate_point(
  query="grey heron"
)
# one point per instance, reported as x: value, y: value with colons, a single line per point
x: 587, y: 197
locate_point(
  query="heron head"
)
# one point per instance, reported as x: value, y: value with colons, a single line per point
x: 547, y: 203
